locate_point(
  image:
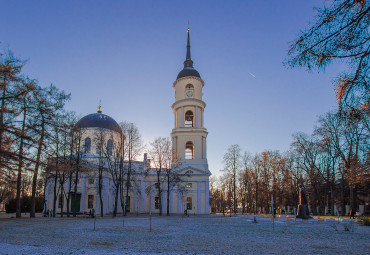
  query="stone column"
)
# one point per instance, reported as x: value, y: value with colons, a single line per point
x: 97, y: 208
x: 53, y: 199
x: 142, y: 196
x: 174, y: 124
x: 202, y: 117
x: 112, y: 198
x: 171, y: 198
x: 207, y: 197
x: 105, y: 194
x: 204, y: 146
x: 151, y: 196
x: 47, y: 196
x: 196, y: 116
x: 182, y: 116
x: 163, y: 197
x: 175, y: 144
x: 179, y: 199
x: 82, y: 207
x: 199, y: 198
x: 136, y: 191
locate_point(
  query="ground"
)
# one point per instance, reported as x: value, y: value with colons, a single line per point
x: 213, y: 234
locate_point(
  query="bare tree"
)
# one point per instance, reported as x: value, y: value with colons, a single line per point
x: 161, y: 152
x: 340, y: 32
x: 349, y: 139
x: 47, y: 102
x: 114, y: 152
x: 132, y: 148
x: 232, y: 162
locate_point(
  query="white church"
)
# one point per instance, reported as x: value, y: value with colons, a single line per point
x: 189, y: 141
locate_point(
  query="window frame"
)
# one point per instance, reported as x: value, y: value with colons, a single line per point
x: 189, y: 150
x: 90, y: 201
x: 189, y: 123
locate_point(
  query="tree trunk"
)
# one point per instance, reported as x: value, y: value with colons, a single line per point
x: 69, y: 193
x: 2, y: 116
x: 37, y: 165
x: 20, y: 165
x: 75, y: 191
x: 352, y: 198
x: 116, y: 201
x: 101, y: 197
x: 61, y: 197
x: 55, y: 196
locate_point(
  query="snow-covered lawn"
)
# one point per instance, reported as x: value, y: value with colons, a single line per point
x: 180, y: 235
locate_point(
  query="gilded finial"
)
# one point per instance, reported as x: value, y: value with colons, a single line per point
x: 99, y: 107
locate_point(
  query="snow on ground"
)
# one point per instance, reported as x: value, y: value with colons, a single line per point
x: 180, y: 235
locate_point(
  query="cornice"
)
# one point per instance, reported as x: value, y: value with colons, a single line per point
x: 188, y: 77
x: 186, y: 100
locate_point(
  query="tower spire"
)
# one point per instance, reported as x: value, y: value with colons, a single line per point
x: 188, y: 62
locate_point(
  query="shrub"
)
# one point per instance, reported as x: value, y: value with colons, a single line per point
x: 11, y: 206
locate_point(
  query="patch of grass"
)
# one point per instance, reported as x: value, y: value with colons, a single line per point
x: 333, y: 217
x: 364, y: 220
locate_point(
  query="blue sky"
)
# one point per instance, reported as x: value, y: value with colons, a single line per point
x: 128, y: 53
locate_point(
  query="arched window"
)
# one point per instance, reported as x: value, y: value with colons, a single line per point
x: 189, y: 150
x: 87, y: 145
x: 189, y: 117
x: 110, y: 147
x: 189, y: 86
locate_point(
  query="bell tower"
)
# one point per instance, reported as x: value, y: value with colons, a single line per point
x: 189, y: 136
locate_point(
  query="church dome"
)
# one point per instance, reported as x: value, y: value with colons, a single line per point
x: 188, y: 72
x: 99, y: 120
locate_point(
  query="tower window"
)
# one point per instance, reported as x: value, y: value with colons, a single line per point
x: 87, y: 145
x: 189, y: 117
x: 110, y: 147
x: 189, y: 86
x: 189, y: 150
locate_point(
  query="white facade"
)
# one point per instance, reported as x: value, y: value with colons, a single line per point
x: 189, y: 140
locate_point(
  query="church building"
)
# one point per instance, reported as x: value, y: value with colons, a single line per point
x: 189, y: 141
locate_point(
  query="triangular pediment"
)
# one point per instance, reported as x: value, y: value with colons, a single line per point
x: 192, y: 171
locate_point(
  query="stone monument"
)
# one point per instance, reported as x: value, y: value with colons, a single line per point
x: 303, y: 212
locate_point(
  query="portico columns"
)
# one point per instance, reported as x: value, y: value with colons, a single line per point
x: 151, y: 196
x: 142, y: 196
x: 163, y: 197
x: 179, y: 199
x: 171, y: 198
x: 199, y: 198
x: 47, y: 196
x: 105, y: 194
x: 207, y: 197
x: 82, y: 208
x: 136, y: 191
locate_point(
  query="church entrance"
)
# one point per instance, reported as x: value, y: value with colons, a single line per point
x: 75, y: 204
